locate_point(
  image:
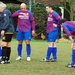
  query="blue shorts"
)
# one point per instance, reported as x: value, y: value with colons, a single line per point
x: 52, y: 36
x: 23, y: 35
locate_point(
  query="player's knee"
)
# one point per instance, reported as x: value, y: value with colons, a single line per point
x: 20, y: 42
x: 4, y: 44
x: 51, y: 44
x: 27, y: 42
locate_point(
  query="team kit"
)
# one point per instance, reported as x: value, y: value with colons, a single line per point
x: 26, y: 29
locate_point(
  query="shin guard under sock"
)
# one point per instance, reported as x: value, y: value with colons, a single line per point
x: 49, y: 51
x: 4, y: 53
x: 73, y: 57
x: 28, y: 50
x: 19, y: 49
x: 8, y: 52
x: 0, y: 52
x: 54, y: 52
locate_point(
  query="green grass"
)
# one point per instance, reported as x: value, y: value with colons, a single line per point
x: 35, y: 67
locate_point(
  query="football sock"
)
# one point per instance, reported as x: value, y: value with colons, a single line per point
x: 8, y: 52
x: 73, y: 57
x: 4, y: 53
x: 49, y: 51
x: 0, y: 52
x: 19, y: 48
x: 54, y: 52
x: 28, y: 50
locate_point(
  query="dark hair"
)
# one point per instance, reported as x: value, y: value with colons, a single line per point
x: 50, y: 6
x: 63, y: 20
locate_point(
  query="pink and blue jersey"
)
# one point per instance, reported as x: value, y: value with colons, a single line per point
x: 25, y: 20
x: 53, y: 18
x: 69, y: 27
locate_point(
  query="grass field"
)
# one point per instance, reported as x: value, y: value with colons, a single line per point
x: 35, y: 67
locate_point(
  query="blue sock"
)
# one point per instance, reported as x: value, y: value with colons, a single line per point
x: 19, y: 48
x: 0, y: 51
x: 54, y: 52
x: 28, y: 50
x: 49, y: 51
x: 73, y: 57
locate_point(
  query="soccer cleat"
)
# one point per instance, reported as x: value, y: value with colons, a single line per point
x: 53, y: 60
x: 45, y: 60
x: 8, y: 61
x: 2, y: 62
x: 70, y: 66
x: 28, y: 59
x: 18, y: 58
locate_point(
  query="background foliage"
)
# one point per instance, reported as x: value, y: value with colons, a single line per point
x: 39, y: 13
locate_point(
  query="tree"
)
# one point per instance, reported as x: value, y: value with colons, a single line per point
x: 70, y: 3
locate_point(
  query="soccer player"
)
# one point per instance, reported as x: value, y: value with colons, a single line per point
x: 25, y: 27
x: 7, y: 29
x: 0, y: 38
x: 69, y: 29
x: 52, y: 33
x: 0, y: 50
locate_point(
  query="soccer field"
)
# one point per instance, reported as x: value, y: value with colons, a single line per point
x: 35, y: 67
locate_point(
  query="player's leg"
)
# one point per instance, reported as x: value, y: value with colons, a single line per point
x: 9, y: 38
x: 49, y: 50
x: 50, y: 46
x: 28, y: 47
x: 4, y: 49
x: 8, y: 53
x: 73, y: 54
x: 0, y: 50
x: 72, y: 64
x: 51, y: 38
x: 19, y: 47
x: 28, y: 50
x: 54, y: 51
x: 5, y: 39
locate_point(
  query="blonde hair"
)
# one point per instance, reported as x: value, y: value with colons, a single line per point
x: 2, y: 5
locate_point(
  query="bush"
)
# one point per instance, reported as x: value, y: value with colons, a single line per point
x: 40, y: 15
x: 13, y: 7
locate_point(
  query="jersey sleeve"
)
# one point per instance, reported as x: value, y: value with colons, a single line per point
x: 58, y: 18
x: 6, y: 18
x: 68, y: 33
x: 16, y: 13
x: 32, y: 22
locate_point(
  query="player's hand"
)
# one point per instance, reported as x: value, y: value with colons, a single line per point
x: 55, y: 25
x: 33, y: 33
x: 22, y: 14
x: 2, y: 33
x: 73, y: 46
x: 70, y: 37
